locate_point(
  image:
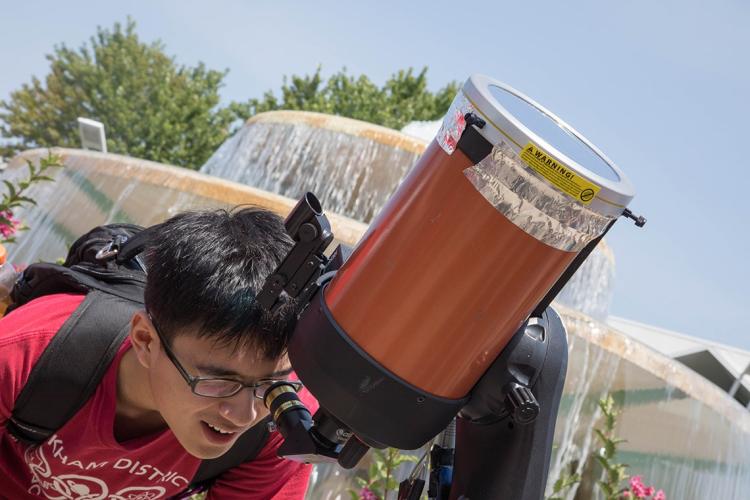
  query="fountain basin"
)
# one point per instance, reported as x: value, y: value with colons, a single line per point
x: 684, y: 434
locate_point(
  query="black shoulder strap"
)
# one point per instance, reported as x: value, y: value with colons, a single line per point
x: 246, y: 448
x: 70, y: 368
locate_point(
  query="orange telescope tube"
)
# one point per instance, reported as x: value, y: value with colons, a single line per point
x: 444, y: 278
x: 441, y: 283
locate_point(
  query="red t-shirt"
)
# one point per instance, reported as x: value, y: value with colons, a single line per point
x: 84, y: 461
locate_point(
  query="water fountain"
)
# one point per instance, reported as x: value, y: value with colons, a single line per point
x: 291, y: 152
x: 684, y: 434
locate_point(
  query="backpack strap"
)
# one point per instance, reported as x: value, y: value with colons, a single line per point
x: 246, y: 448
x: 71, y: 367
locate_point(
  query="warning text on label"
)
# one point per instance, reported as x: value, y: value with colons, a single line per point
x: 559, y: 174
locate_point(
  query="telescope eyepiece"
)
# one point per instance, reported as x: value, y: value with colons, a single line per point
x: 282, y: 401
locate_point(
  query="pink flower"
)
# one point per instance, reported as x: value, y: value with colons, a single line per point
x: 625, y: 494
x: 637, y: 487
x: 366, y: 494
x: 660, y: 495
x: 9, y: 229
x: 649, y: 491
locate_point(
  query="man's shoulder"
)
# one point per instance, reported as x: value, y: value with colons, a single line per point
x: 24, y: 334
x: 40, y: 317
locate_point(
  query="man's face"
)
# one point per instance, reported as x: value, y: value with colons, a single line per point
x: 207, y: 427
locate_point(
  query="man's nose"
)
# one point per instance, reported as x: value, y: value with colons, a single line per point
x: 242, y: 409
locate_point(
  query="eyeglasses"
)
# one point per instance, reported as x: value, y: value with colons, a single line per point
x: 216, y: 387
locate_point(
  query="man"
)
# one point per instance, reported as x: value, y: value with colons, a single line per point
x: 183, y: 386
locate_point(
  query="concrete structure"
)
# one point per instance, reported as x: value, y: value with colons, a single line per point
x: 727, y: 367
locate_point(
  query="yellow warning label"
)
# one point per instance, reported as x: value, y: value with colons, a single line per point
x: 559, y: 174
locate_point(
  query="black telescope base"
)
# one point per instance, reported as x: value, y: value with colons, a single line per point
x: 503, y: 459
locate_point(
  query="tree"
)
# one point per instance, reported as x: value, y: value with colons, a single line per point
x: 155, y: 109
x: 403, y: 98
x: 151, y: 107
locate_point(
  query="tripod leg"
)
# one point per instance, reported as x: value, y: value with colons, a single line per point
x: 505, y: 460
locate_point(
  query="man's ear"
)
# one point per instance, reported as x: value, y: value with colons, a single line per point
x: 143, y: 339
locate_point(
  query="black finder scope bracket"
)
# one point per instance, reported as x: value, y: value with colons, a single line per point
x: 300, y: 269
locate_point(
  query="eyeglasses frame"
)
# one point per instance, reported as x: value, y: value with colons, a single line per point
x: 193, y: 381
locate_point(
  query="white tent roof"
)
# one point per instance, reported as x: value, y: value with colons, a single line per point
x: 719, y: 363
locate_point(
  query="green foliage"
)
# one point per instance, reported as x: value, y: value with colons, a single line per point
x: 614, y: 472
x: 402, y: 99
x: 16, y: 197
x: 562, y: 484
x: 150, y: 106
x: 155, y: 109
x: 380, y: 475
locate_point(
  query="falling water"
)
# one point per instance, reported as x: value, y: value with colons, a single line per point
x: 290, y: 157
x: 684, y: 435
x: 590, y: 289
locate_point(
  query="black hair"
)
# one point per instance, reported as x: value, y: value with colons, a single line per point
x: 205, y: 269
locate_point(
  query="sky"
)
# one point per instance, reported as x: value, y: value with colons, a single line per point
x: 660, y: 86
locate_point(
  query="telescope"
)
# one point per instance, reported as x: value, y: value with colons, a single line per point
x: 440, y: 316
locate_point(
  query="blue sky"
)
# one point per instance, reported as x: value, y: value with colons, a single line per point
x: 660, y: 86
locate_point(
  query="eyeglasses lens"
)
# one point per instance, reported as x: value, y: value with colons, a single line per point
x: 217, y: 388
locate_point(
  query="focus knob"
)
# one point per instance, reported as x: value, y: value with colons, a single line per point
x: 521, y: 403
